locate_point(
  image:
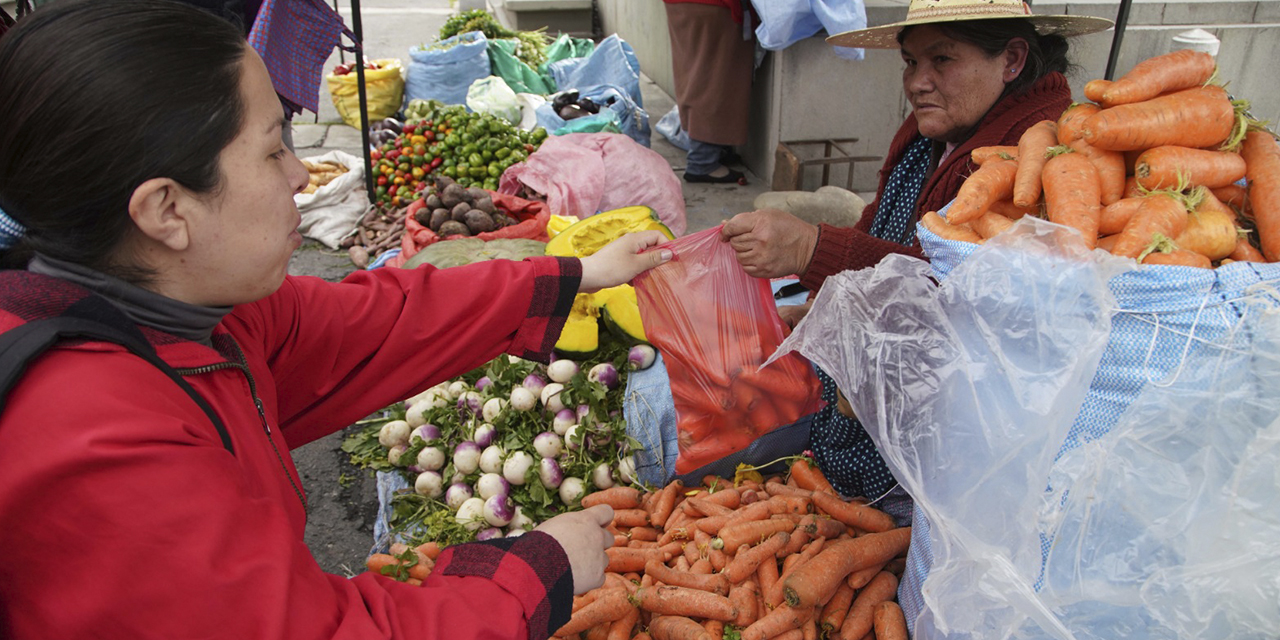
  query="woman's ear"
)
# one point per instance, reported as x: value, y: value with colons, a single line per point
x: 159, y: 207
x: 1015, y: 58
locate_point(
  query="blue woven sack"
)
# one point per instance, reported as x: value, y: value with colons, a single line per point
x: 446, y: 70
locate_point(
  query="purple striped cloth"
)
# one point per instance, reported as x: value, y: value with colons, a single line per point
x: 294, y: 38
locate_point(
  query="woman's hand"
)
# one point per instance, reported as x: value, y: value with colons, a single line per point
x: 621, y: 260
x: 771, y: 243
x: 583, y: 536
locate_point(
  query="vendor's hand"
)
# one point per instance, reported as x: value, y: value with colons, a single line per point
x: 621, y: 260
x: 793, y: 314
x: 771, y: 243
x: 584, y: 538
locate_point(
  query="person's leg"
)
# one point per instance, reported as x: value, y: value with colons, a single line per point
x: 703, y: 157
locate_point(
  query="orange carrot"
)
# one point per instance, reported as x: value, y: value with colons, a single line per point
x: 889, y: 622
x: 1111, y: 170
x: 422, y: 569
x: 1095, y: 89
x: 701, y: 567
x: 1161, y: 213
x: 817, y: 580
x: 1072, y: 194
x: 428, y: 549
x: 610, y: 605
x: 1012, y: 211
x: 983, y: 155
x: 697, y: 506
x: 790, y: 564
x: 1200, y: 117
x: 861, y: 618
x: 630, y: 517
x: 715, y: 629
x: 947, y: 231
x: 665, y: 503
x: 715, y: 583
x: 682, y: 601
x: 822, y: 525
x: 1071, y: 122
x: 810, y: 629
x: 991, y: 183
x: 624, y: 559
x: 858, y: 516
x: 677, y: 628
x: 1174, y: 71
x: 735, y: 535
x: 860, y: 578
x: 791, y: 504
x: 1131, y: 188
x: 775, y: 488
x: 781, y: 619
x: 621, y: 628
x: 767, y: 576
x: 1232, y: 195
x: 616, y: 497
x: 1246, y: 252
x: 643, y: 534
x: 1262, y: 156
x: 743, y: 598
x: 1178, y: 258
x: 1168, y: 166
x: 376, y: 562
x: 1211, y: 229
x: 990, y: 224
x: 1033, y: 144
x: 745, y: 563
x: 809, y: 476
x: 836, y: 609
x: 1117, y: 214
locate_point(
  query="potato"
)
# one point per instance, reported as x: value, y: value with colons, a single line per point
x: 454, y: 228
x: 460, y: 211
x: 479, y: 221
x: 438, y: 218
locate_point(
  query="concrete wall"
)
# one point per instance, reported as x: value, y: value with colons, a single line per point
x: 806, y: 91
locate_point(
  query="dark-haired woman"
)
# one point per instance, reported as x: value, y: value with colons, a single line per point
x: 977, y: 73
x: 147, y: 491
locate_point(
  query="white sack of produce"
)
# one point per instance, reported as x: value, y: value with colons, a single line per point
x: 334, y: 208
x: 582, y: 174
x: 1043, y: 510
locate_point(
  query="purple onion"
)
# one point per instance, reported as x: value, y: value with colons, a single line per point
x: 534, y: 383
x: 456, y: 494
x: 482, y: 383
x: 489, y: 533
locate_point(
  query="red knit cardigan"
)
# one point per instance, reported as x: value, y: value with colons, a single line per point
x: 843, y: 248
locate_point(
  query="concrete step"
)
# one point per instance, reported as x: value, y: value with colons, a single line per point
x: 574, y: 17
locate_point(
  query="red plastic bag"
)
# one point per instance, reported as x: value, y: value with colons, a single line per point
x: 533, y: 217
x: 715, y: 325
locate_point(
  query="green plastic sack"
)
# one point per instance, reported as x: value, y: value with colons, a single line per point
x: 564, y: 47
x: 604, y: 122
x: 518, y: 75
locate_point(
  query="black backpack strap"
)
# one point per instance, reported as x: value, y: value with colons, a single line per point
x: 21, y: 345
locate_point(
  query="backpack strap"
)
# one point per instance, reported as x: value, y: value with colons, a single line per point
x: 85, y: 320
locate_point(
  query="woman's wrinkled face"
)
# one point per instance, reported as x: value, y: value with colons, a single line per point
x: 951, y: 84
x: 252, y: 229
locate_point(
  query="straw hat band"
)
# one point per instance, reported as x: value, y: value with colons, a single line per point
x: 921, y: 12
x: 942, y: 12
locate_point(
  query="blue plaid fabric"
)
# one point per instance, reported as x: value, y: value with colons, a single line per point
x: 294, y: 38
x: 10, y: 231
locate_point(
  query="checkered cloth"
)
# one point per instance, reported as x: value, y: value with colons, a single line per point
x: 10, y: 231
x: 294, y: 38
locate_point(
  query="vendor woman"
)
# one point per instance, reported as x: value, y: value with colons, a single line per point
x: 148, y: 189
x: 976, y: 73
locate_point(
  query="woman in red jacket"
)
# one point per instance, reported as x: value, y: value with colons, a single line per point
x: 977, y: 73
x: 148, y: 492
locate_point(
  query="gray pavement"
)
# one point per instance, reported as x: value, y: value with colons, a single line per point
x: 342, y: 499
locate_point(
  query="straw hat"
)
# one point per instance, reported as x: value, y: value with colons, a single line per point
x: 935, y: 11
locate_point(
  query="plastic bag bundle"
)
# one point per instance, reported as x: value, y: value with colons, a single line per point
x: 492, y: 95
x: 715, y: 326
x: 786, y: 22
x: 384, y: 92
x: 1092, y: 449
x: 444, y: 71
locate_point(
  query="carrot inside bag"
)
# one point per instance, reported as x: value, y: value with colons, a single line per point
x: 715, y: 326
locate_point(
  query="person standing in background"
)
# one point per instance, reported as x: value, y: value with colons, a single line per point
x: 713, y: 57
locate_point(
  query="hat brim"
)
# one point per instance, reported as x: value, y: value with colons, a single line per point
x: 886, y: 36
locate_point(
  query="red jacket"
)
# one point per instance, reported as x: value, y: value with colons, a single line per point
x: 125, y: 517
x: 843, y: 248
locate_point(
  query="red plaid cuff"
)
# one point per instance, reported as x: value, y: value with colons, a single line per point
x: 555, y: 283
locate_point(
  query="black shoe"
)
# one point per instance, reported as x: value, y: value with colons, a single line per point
x: 731, y: 177
x: 729, y: 156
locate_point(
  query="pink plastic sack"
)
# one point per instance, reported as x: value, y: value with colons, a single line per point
x: 582, y: 174
x: 715, y: 325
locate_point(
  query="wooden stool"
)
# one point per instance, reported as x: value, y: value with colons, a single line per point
x: 788, y: 168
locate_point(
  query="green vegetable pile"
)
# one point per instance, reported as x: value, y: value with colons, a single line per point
x: 531, y: 45
x: 472, y: 148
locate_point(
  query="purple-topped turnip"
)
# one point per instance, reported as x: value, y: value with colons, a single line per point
x: 492, y: 484
x: 429, y: 484
x: 431, y: 459
x: 484, y: 434
x: 426, y: 432
x: 549, y: 473
x: 562, y: 370
x: 471, y: 514
x: 548, y: 444
x: 466, y: 457
x: 572, y: 437
x: 551, y: 397
x: 489, y: 533
x: 491, y: 459
x: 584, y: 410
x: 563, y: 420
x: 457, y: 388
x: 498, y: 510
x: 516, y: 467
x: 457, y: 494
x: 393, y: 433
x: 470, y: 402
x: 482, y: 383
x: 605, y: 374
x: 523, y: 399
x: 602, y: 476
x: 534, y: 383
x: 395, y: 453
x: 493, y: 407
x: 572, y: 490
x: 641, y: 356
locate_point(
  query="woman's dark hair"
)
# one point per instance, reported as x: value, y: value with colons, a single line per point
x: 1045, y: 53
x: 99, y: 96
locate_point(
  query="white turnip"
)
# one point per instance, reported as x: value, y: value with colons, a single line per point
x: 602, y: 476
x: 429, y: 484
x: 484, y: 434
x: 493, y: 407
x: 572, y: 490
x: 466, y: 457
x: 563, y: 420
x: 471, y: 514
x: 393, y: 433
x: 395, y: 453
x: 548, y: 444
x: 627, y: 469
x: 492, y: 484
x: 562, y: 370
x: 457, y: 388
x: 523, y: 399
x: 573, y: 437
x: 549, y: 473
x: 521, y: 521
x: 457, y: 494
x: 641, y: 356
x: 431, y: 459
x: 491, y: 459
x: 498, y: 510
x: 516, y: 467
x: 605, y: 374
x: 551, y: 397
x: 516, y: 533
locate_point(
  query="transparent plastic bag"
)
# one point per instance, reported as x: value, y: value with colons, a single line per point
x: 1162, y: 527
x: 715, y: 325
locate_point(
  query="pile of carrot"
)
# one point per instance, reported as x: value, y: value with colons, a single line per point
x: 1149, y: 169
x: 786, y: 560
x: 407, y: 564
